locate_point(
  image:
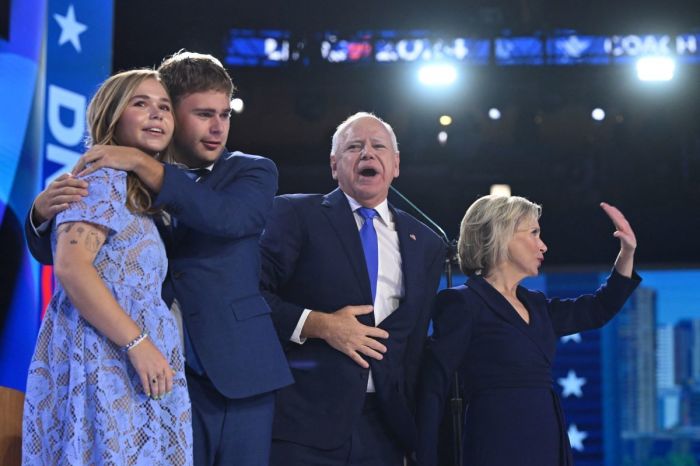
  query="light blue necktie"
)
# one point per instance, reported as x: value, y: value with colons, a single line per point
x: 368, y: 236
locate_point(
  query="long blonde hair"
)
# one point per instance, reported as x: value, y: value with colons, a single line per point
x: 103, y: 114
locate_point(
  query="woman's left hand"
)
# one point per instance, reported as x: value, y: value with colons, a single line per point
x: 624, y: 264
x: 623, y: 230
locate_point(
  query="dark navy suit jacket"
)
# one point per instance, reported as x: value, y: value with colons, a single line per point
x: 313, y: 258
x: 514, y: 415
x: 213, y: 270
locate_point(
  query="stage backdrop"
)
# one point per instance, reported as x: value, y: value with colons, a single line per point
x: 53, y: 55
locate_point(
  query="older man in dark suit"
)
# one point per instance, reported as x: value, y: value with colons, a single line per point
x: 350, y: 280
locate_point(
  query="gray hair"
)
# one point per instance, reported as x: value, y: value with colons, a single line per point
x: 487, y: 228
x: 340, y: 130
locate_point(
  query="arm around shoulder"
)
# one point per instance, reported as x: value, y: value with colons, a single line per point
x: 235, y: 205
x: 39, y: 244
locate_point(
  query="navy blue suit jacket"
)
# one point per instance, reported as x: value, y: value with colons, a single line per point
x: 514, y: 415
x: 313, y: 258
x: 213, y: 270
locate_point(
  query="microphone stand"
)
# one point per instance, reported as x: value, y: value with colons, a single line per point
x: 456, y: 402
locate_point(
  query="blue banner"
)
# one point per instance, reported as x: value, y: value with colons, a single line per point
x: 519, y: 51
x: 248, y: 47
x: 20, y: 78
x: 264, y: 48
x: 576, y: 49
x: 625, y: 49
x: 52, y: 58
x: 78, y: 59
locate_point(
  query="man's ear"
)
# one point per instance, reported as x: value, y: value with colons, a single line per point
x: 334, y: 171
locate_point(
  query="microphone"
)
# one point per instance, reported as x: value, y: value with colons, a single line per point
x: 456, y: 402
x: 451, y: 258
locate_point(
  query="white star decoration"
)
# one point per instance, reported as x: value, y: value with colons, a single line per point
x: 576, y: 338
x: 571, y: 385
x: 70, y: 28
x: 574, y: 46
x: 576, y: 437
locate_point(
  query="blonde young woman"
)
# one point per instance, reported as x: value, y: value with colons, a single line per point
x: 106, y: 384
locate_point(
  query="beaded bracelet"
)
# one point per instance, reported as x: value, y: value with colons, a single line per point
x: 132, y: 344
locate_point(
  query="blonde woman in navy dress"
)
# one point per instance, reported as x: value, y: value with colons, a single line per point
x: 106, y: 384
x: 502, y: 338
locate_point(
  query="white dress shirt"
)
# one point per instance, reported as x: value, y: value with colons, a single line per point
x: 389, y: 278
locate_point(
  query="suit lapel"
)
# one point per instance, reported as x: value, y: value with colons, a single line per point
x: 337, y: 210
x: 409, y: 247
x: 178, y: 232
x: 216, y: 173
x: 163, y: 223
x: 500, y: 306
x: 537, y: 311
x: 406, y: 315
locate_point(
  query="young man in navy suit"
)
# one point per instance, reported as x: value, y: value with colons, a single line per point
x: 350, y: 280
x: 217, y: 203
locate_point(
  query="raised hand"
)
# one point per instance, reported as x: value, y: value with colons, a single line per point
x: 623, y: 230
x: 628, y: 241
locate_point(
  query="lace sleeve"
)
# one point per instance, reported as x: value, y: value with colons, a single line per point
x: 105, y: 204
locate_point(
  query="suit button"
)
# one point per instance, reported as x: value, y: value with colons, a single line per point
x: 177, y: 274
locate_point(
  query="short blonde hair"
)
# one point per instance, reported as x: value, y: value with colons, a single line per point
x: 103, y: 114
x: 487, y: 228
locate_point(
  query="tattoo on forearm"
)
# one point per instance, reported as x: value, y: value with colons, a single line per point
x: 92, y: 241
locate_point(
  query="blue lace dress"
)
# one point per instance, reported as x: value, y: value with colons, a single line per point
x: 84, y: 402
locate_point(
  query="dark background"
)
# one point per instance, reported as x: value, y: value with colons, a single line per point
x: 644, y: 157
x: 4, y: 19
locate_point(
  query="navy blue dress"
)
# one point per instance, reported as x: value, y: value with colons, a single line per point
x: 513, y: 414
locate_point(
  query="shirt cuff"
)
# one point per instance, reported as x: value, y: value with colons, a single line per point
x: 296, y: 335
x: 41, y: 229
